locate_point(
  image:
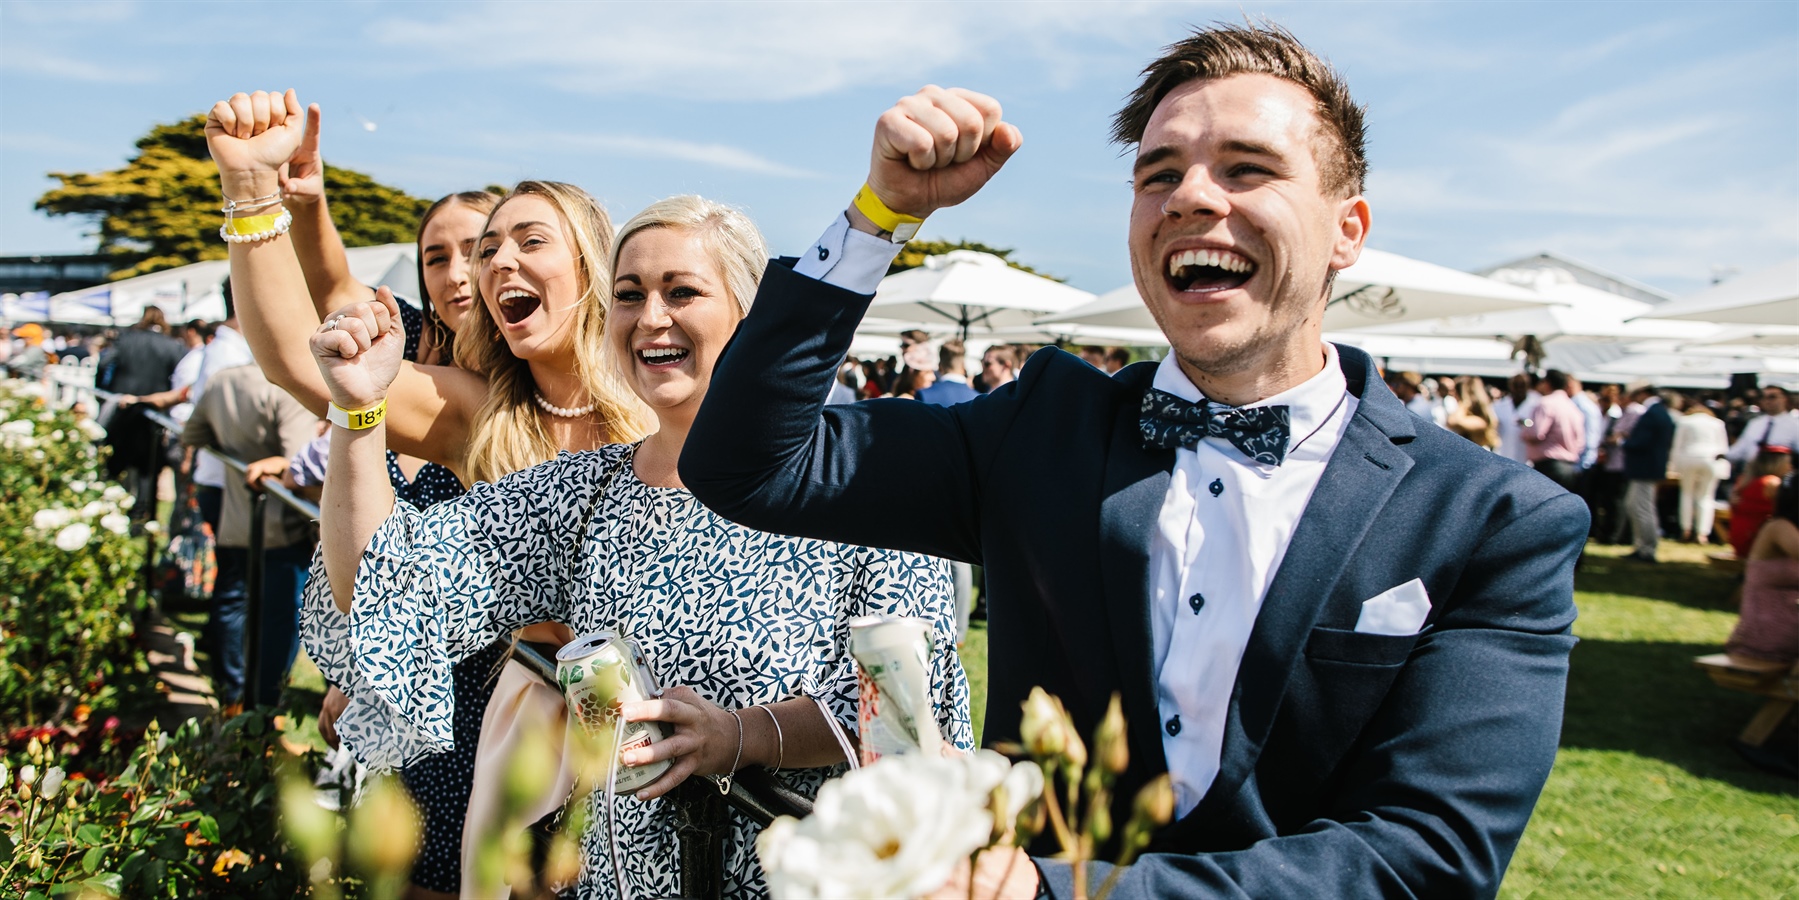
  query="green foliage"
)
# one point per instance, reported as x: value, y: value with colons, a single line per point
x: 161, y: 210
x: 190, y: 813
x: 65, y: 611
x: 913, y: 255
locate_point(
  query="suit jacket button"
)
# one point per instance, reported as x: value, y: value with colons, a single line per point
x: 1173, y: 726
x: 1197, y: 601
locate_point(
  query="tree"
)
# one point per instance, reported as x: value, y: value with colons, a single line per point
x: 162, y: 209
x: 913, y: 255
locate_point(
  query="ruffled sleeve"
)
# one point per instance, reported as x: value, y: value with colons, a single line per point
x: 435, y: 587
x: 910, y: 584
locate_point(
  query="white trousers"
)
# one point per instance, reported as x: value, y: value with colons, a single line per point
x: 1639, y: 504
x: 1698, y: 496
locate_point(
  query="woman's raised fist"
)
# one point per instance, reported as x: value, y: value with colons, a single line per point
x: 251, y: 136
x: 359, y: 350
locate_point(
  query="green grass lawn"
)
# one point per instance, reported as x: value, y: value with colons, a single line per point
x: 1647, y: 798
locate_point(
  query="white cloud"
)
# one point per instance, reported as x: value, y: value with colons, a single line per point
x: 735, y: 51
x: 35, y: 61
x: 721, y: 156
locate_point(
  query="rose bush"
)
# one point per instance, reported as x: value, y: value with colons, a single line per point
x: 188, y: 813
x: 68, y: 566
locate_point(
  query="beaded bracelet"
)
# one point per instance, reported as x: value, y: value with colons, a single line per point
x: 251, y: 229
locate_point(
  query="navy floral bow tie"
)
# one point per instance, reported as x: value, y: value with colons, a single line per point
x: 1167, y: 422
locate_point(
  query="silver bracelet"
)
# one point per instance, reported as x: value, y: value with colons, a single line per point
x: 724, y: 781
x: 780, y: 740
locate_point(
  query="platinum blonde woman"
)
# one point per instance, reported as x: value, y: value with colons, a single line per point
x: 739, y: 621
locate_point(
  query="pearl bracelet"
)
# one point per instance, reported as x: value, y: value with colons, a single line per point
x: 279, y: 226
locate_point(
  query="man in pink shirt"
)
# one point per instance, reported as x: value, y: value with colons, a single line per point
x: 1555, y: 434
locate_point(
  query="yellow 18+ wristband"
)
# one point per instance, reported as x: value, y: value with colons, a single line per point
x: 900, y: 225
x: 357, y: 419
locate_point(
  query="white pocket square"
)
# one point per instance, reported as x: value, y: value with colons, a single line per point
x: 1399, y: 611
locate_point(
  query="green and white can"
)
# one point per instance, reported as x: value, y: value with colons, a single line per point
x: 598, y: 673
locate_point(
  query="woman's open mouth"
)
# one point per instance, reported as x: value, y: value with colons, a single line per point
x: 663, y: 357
x: 516, y: 305
x: 1208, y: 271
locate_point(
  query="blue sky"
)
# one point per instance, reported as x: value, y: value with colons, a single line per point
x: 1657, y: 140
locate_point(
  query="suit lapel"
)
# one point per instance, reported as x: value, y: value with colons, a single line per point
x: 1136, y: 482
x: 1362, y: 474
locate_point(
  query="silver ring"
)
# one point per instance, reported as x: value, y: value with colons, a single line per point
x: 332, y: 323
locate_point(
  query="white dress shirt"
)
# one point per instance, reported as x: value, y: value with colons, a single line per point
x: 1211, y: 561
x: 1782, y: 430
x: 226, y: 350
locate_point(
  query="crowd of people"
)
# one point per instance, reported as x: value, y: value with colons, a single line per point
x: 1644, y: 474
x: 557, y: 442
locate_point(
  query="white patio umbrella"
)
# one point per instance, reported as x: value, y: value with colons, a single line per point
x: 1380, y: 289
x: 1575, y: 311
x: 972, y: 291
x: 1437, y: 355
x: 1766, y: 297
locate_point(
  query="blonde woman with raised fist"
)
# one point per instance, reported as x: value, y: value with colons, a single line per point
x: 523, y: 385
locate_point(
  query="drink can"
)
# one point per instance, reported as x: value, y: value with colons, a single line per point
x: 895, y: 713
x: 598, y: 672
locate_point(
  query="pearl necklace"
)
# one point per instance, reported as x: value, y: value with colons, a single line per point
x: 561, y: 412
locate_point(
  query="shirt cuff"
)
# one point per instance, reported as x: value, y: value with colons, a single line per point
x: 847, y: 258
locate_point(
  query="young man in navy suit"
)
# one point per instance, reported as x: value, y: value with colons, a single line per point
x: 1343, y: 633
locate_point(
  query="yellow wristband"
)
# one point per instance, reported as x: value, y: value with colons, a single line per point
x: 357, y: 419
x: 900, y: 225
x: 252, y: 224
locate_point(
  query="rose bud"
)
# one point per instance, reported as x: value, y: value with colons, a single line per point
x: 1109, y: 739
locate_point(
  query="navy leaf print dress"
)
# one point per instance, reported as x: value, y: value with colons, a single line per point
x: 740, y: 616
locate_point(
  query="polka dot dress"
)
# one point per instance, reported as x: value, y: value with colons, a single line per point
x: 440, y: 784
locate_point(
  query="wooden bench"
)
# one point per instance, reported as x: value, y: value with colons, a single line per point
x: 1726, y: 562
x: 1778, y: 682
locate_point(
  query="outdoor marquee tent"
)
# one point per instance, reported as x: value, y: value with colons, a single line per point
x: 193, y: 291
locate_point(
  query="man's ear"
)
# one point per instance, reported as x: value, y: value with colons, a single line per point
x: 1353, y: 221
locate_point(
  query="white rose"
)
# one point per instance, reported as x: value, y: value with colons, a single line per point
x: 96, y: 508
x: 894, y: 829
x: 117, y: 523
x: 115, y: 493
x: 56, y: 435
x: 153, y: 527
x: 78, y: 487
x: 52, y: 782
x: 28, y: 773
x: 74, y: 537
x: 91, y: 428
x: 51, y: 519
x: 17, y: 426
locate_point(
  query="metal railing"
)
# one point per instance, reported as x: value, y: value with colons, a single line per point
x: 259, y: 497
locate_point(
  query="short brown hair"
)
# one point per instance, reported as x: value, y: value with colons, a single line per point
x: 1004, y: 353
x: 952, y: 356
x: 1267, y: 49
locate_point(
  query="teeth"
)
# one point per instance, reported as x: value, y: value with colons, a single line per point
x: 516, y: 294
x: 1220, y: 259
x: 655, y: 353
